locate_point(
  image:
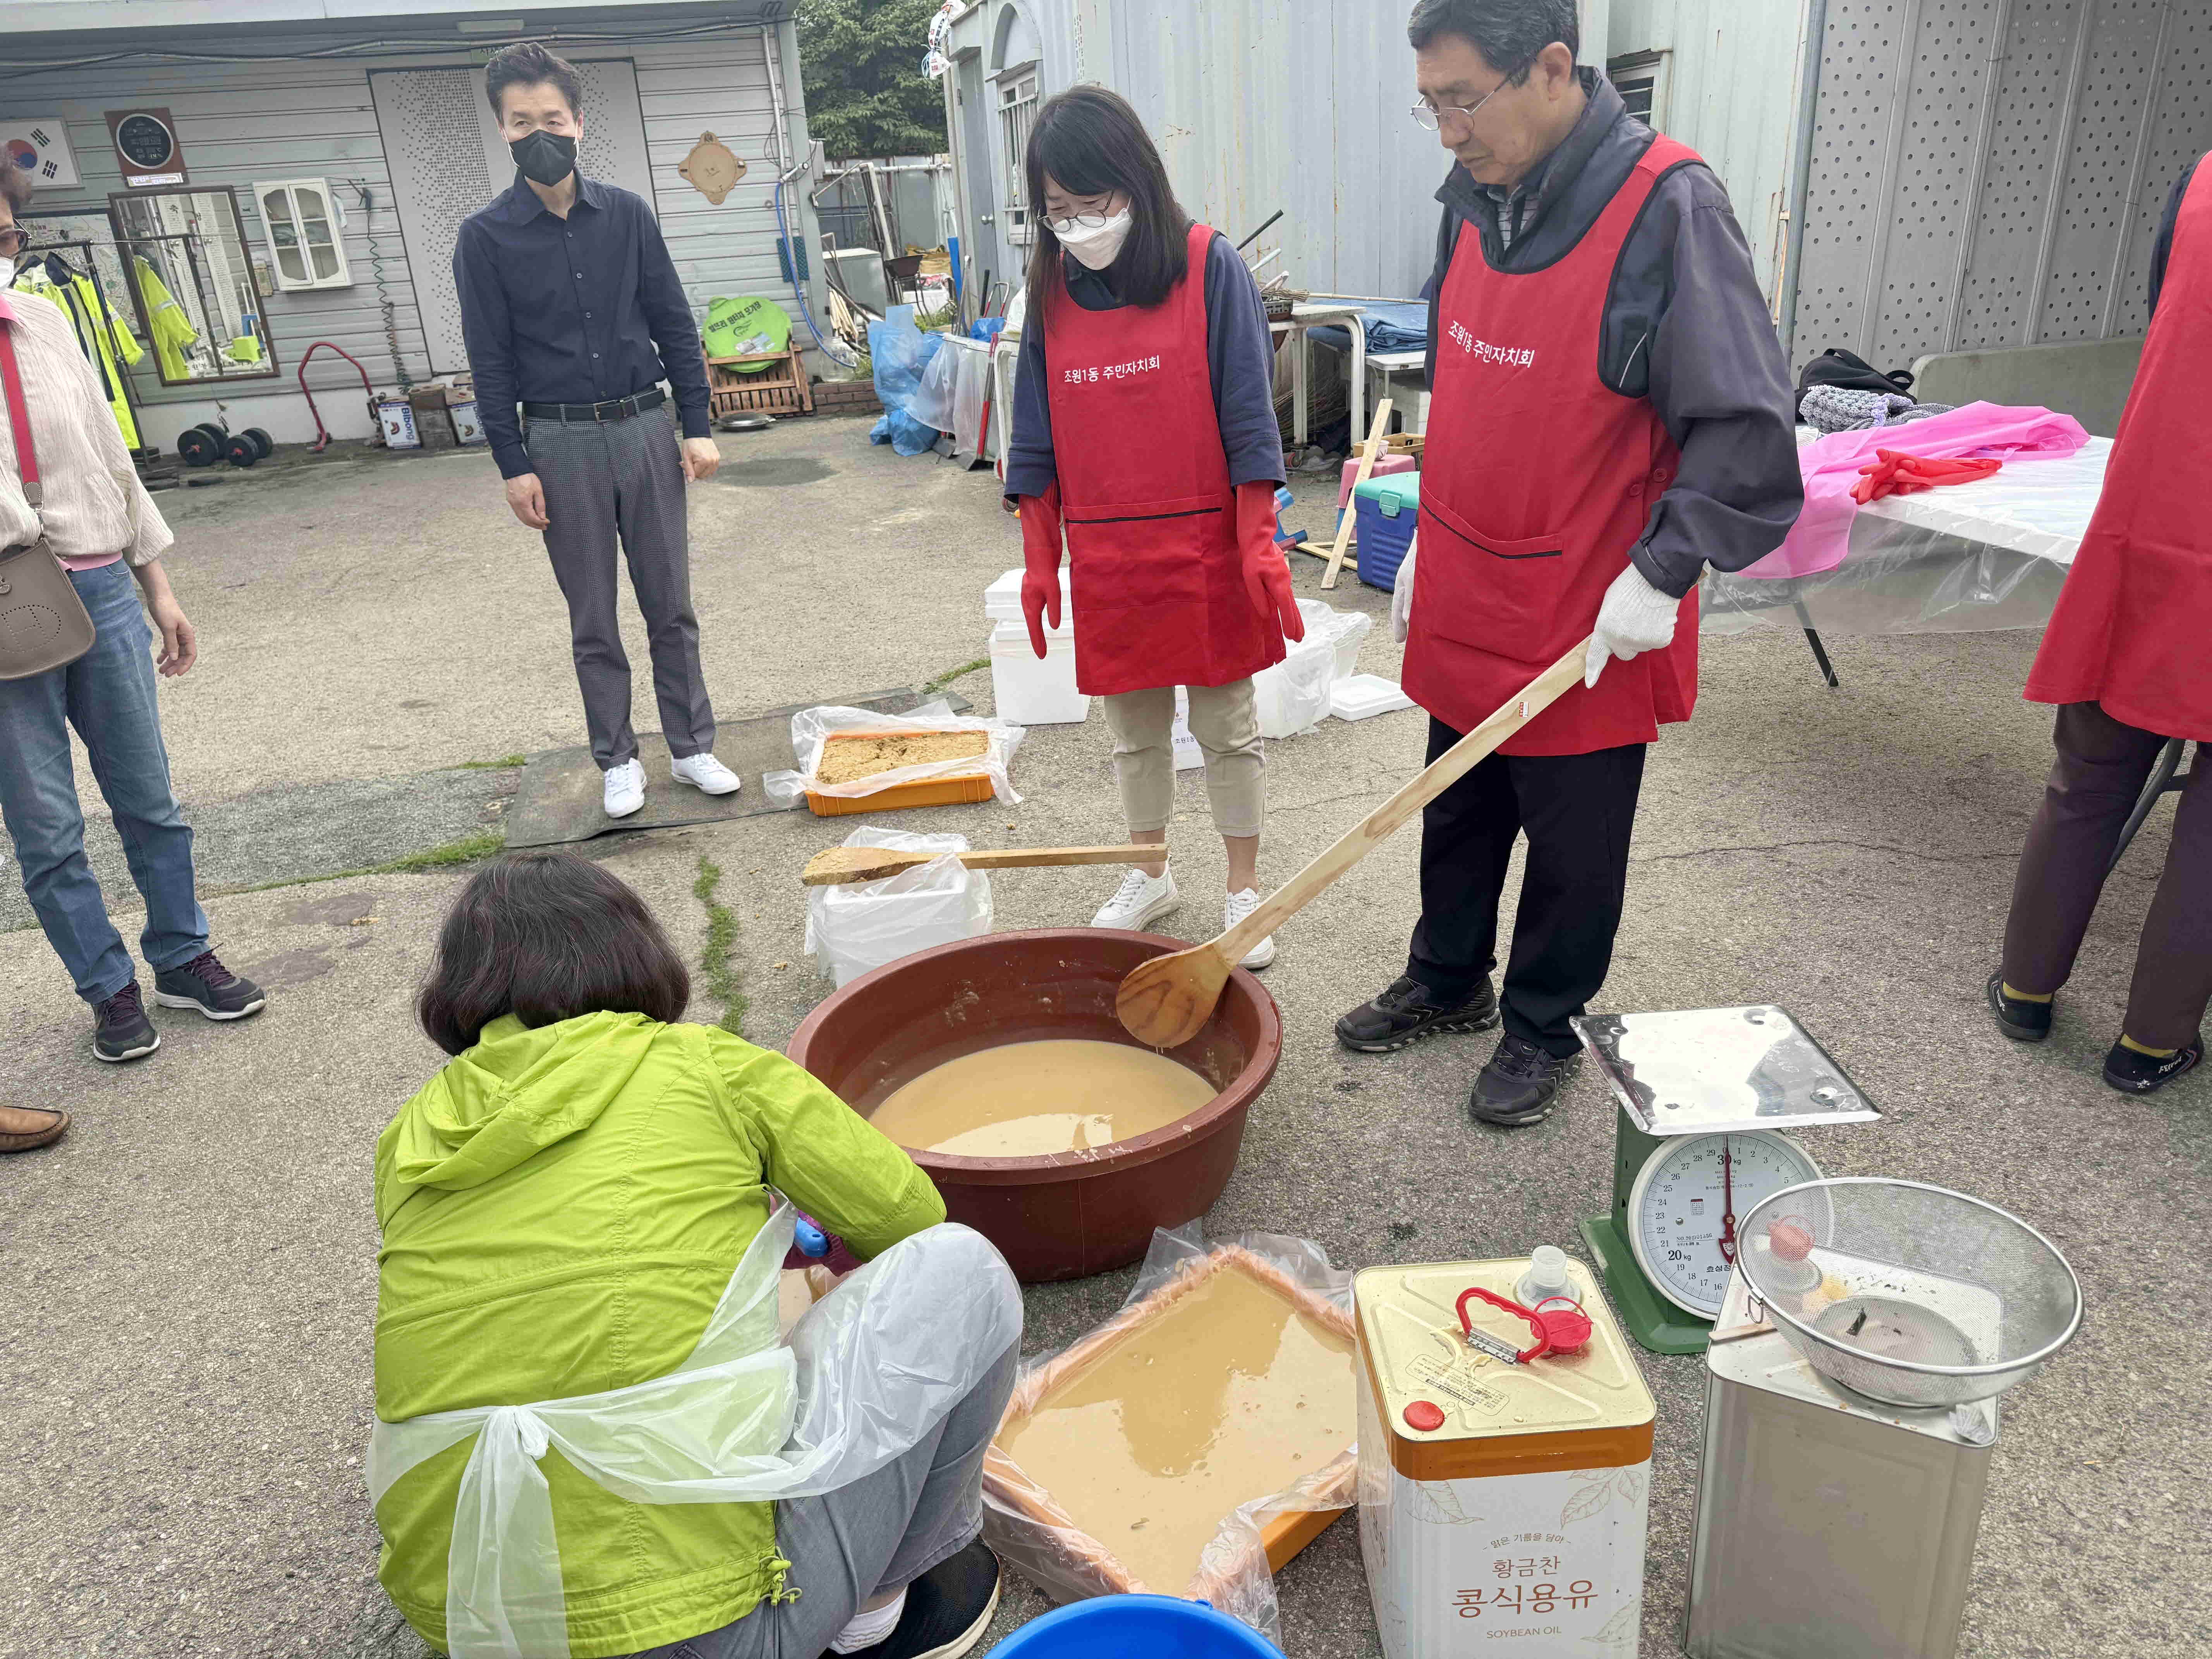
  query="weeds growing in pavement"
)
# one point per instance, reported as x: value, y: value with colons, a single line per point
x: 722, y: 981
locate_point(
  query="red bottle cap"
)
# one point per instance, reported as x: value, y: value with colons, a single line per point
x: 1566, y: 1327
x: 1424, y: 1415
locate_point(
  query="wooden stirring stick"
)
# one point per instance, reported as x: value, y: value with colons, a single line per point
x: 843, y: 864
x: 1164, y: 1002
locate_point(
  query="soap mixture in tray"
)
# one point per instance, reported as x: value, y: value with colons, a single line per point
x: 1029, y: 1098
x: 849, y: 759
x: 1230, y: 1394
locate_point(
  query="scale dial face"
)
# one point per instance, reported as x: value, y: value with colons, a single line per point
x: 1692, y: 1191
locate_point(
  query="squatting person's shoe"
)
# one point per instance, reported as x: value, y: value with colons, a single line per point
x: 1406, y: 1011
x: 2135, y: 1072
x: 1519, y: 1085
x: 948, y: 1609
x: 1139, y: 900
x: 121, y: 1031
x: 2023, y: 1021
x: 205, y: 984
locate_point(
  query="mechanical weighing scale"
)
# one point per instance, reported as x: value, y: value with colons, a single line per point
x: 1705, y: 1096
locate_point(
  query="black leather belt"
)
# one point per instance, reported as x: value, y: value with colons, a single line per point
x: 615, y: 409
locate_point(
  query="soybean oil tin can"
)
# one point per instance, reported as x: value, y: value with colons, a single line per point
x: 1501, y: 1506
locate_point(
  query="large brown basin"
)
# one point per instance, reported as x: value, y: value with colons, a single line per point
x: 1066, y: 1214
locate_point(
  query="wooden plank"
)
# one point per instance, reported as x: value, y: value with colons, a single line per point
x: 1369, y: 454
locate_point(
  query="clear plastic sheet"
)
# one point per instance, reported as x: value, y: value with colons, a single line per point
x: 1985, y: 556
x: 808, y: 726
x: 1293, y: 694
x: 855, y: 927
x: 744, y: 1419
x: 1033, y: 1534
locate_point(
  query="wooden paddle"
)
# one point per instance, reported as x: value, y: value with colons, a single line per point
x: 1164, y: 1002
x: 843, y: 864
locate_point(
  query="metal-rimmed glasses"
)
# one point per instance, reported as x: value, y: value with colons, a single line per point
x: 14, y: 241
x: 1088, y: 219
x: 1430, y: 117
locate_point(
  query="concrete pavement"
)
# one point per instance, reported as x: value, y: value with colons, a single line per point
x: 184, y: 1333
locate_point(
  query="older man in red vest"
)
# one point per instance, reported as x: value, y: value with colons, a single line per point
x: 2128, y: 659
x: 1611, y: 412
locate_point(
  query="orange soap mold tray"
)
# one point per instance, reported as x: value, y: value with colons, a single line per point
x: 962, y: 788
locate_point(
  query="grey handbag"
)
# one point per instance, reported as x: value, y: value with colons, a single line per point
x: 43, y: 623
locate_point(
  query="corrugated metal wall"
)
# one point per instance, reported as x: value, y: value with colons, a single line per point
x: 1731, y: 95
x: 1991, y: 172
x: 239, y: 123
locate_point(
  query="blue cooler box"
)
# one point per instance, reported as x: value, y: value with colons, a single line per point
x: 1386, y: 510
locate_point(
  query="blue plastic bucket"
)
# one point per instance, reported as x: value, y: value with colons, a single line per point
x: 1117, y: 1626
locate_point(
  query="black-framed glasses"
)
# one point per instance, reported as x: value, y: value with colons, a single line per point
x: 14, y: 241
x: 1432, y: 116
x: 1088, y: 219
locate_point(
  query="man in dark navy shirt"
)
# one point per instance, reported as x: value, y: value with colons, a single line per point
x: 573, y: 311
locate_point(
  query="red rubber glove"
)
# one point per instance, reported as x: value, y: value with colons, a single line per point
x: 1266, y: 573
x: 1041, y: 564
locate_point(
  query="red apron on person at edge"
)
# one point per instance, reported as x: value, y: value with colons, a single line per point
x: 1145, y: 498
x: 1537, y: 481
x: 2132, y: 631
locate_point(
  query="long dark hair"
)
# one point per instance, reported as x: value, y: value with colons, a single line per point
x: 545, y: 937
x: 1089, y: 141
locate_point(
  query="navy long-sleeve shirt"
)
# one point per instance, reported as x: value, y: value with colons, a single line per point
x: 2162, y: 247
x: 578, y: 310
x: 1240, y: 354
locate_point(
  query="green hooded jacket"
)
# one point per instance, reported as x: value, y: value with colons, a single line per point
x: 561, y: 1209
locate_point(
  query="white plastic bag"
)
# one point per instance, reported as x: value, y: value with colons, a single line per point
x: 810, y: 727
x: 1028, y: 1530
x: 744, y: 1420
x: 854, y: 927
x: 1293, y: 695
x: 933, y: 404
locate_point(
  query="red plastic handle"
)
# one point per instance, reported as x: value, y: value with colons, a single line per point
x: 1542, y: 1342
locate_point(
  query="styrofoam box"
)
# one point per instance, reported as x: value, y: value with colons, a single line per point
x: 1362, y: 695
x: 1002, y: 600
x: 1031, y: 692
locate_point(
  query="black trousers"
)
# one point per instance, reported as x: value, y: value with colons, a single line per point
x: 1577, y: 811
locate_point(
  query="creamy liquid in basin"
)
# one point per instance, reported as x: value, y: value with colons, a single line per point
x: 1028, y: 1098
x: 1231, y: 1394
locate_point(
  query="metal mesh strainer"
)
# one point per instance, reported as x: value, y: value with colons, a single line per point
x: 1909, y: 1294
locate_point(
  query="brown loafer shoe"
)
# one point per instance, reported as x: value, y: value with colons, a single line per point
x: 23, y: 1128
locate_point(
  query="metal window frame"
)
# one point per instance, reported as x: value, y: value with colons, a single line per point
x: 1020, y: 91
x: 1658, y: 67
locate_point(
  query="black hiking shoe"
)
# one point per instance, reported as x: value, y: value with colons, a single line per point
x: 205, y: 984
x: 948, y: 1609
x: 1407, y: 1012
x: 1520, y: 1083
x: 2023, y: 1021
x: 2134, y: 1072
x: 121, y: 1031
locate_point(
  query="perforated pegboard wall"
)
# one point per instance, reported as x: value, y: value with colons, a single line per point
x: 1991, y: 172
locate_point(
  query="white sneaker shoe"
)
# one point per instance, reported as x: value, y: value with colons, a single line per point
x: 703, y: 772
x: 625, y: 785
x: 1240, y: 905
x: 1140, y: 899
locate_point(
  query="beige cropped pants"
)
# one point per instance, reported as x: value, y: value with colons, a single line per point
x: 1227, y: 727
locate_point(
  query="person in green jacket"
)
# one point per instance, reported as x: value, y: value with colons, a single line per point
x: 584, y: 1201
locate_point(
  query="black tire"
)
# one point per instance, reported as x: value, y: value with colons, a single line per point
x: 197, y: 448
x: 241, y: 451
x: 261, y: 441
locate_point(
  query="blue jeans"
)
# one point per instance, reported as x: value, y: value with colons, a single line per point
x: 107, y: 694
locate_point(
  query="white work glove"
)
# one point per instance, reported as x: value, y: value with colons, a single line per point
x: 1635, y: 618
x: 1401, y: 592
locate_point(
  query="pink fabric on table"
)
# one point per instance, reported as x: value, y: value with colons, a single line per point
x: 1822, y: 534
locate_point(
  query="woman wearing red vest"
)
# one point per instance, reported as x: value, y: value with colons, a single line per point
x: 1144, y: 437
x: 2128, y: 659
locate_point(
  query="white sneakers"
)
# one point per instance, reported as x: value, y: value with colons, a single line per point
x: 1240, y: 905
x: 704, y: 773
x: 1140, y: 899
x: 625, y: 788
x: 625, y: 784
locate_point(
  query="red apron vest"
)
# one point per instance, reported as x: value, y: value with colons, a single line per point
x: 1144, y: 497
x: 2133, y: 627
x: 1537, y: 480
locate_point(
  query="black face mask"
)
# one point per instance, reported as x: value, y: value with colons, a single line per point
x: 546, y: 158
